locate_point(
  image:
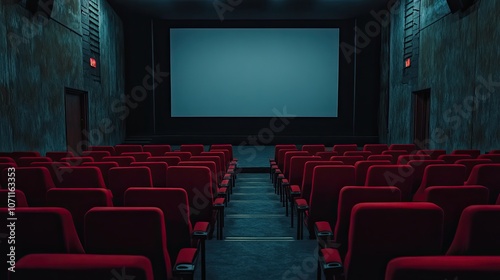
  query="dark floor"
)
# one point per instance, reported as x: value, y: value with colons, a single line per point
x: 258, y: 240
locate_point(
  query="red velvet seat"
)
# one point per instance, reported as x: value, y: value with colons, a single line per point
x: 493, y: 152
x: 104, y: 166
x: 57, y: 156
x: 380, y: 232
x: 470, y: 163
x: 170, y: 161
x: 82, y: 267
x: 122, y: 178
x: 228, y: 147
x: 109, y: 149
x: 19, y: 154
x: 342, y: 148
x: 7, y: 160
x: 364, y: 154
x: 138, y: 156
x: 78, y: 201
x: 362, y: 166
x: 123, y: 161
x: 313, y: 148
x: 347, y: 160
x: 194, y: 149
x: 77, y: 161
x: 26, y: 161
x: 81, y: 177
x: 53, y: 168
x: 404, y: 159
x: 7, y: 197
x: 125, y: 148
x: 444, y: 267
x: 471, y: 152
x: 157, y: 150
x: 493, y: 157
x: 33, y: 181
x: 435, y: 153
x: 440, y: 175
x: 375, y: 149
x: 395, y: 154
x: 453, y: 200
x: 400, y: 176
x: 216, y: 189
x: 96, y: 155
x: 382, y: 157
x: 307, y: 177
x: 487, y: 175
x: 181, y: 155
x: 326, y: 155
x: 409, y: 148
x: 450, y: 159
x: 158, y: 172
x: 477, y: 232
x: 418, y: 170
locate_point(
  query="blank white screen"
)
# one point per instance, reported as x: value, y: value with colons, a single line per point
x: 250, y: 72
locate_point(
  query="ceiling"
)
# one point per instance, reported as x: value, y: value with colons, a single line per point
x: 247, y: 9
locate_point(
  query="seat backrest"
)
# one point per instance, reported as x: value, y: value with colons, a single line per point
x: 39, y: 230
x: 175, y: 206
x: 313, y: 148
x: 109, y: 149
x: 122, y: 178
x: 227, y: 155
x: 474, y: 153
x: 404, y: 159
x: 452, y: 158
x: 477, y: 232
x: 326, y: 185
x: 78, y: 201
x: 123, y: 161
x: 433, y: 153
x: 444, y: 267
x: 213, y: 170
x: 26, y: 161
x: 395, y: 154
x: 57, y: 156
x: 375, y: 149
x: 158, y: 172
x: 493, y: 152
x: 362, y: 168
x: 397, y: 175
x: 215, y: 159
x: 470, y: 163
x: 350, y: 196
x: 418, y: 170
x: 342, y: 148
x: 124, y: 148
x: 441, y: 175
x: 395, y: 229
x: 8, y: 200
x: 194, y: 149
x: 382, y: 157
x: 347, y: 160
x: 281, y: 157
x: 7, y: 160
x: 104, y: 166
x: 19, y: 154
x: 288, y: 157
x: 498, y: 200
x: 278, y: 147
x: 138, y: 156
x: 181, y: 155
x: 296, y: 170
x: 364, y: 154
x: 409, y: 148
x: 221, y: 155
x: 307, y: 177
x: 77, y: 161
x: 53, y: 168
x: 170, y: 161
x: 157, y: 150
x: 487, y: 175
x: 493, y: 157
x: 197, y: 182
x: 81, y: 177
x: 82, y: 267
x: 453, y: 200
x: 326, y: 155
x: 33, y: 181
x: 129, y: 231
x: 96, y: 155
x: 228, y: 147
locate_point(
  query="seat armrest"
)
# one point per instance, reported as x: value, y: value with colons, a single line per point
x: 186, y: 261
x: 201, y: 230
x: 330, y: 262
x: 295, y: 190
x: 301, y: 204
x: 219, y: 203
x: 284, y: 181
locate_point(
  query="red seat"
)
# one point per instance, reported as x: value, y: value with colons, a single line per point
x: 362, y: 168
x: 82, y: 267
x: 348, y: 198
x: 395, y: 154
x: 404, y: 159
x: 7, y: 160
x: 453, y: 200
x: 129, y: 231
x: 157, y: 150
x: 471, y: 152
x: 138, y: 156
x: 382, y: 157
x: 26, y: 161
x: 81, y: 177
x: 96, y: 155
x: 123, y: 161
x: 78, y: 201
x: 20, y: 154
x: 181, y: 155
x: 104, y: 166
x: 494, y: 152
x: 17, y: 197
x: 347, y: 160
x: 109, y: 149
x: 409, y: 148
x: 470, y: 163
x: 170, y: 161
x: 440, y: 175
x: 222, y: 192
x: 487, y: 175
x: 400, y: 176
x: 53, y: 168
x: 433, y: 153
x: 228, y: 147
x: 194, y: 149
x: 314, y: 148
x: 57, y: 156
x: 326, y: 155
x: 39, y: 230
x: 125, y: 148
x: 493, y: 157
x: 76, y: 161
x: 158, y: 172
x: 477, y: 232
x: 375, y: 149
x: 444, y: 267
x: 380, y: 232
x: 122, y: 178
x: 33, y: 181
x: 307, y: 177
x: 418, y: 171
x: 364, y: 154
x: 450, y: 159
x: 342, y: 148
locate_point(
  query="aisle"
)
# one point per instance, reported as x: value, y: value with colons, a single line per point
x: 258, y: 241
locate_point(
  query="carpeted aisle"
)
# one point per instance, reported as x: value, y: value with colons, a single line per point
x: 258, y: 241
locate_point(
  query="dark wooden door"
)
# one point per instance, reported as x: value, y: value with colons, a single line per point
x: 76, y: 119
x: 421, y: 117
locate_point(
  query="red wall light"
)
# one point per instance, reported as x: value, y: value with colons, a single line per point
x: 407, y: 62
x: 93, y: 62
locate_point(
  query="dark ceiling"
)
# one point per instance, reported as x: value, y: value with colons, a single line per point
x: 247, y: 9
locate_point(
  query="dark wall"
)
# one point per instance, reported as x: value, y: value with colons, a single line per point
x: 458, y: 61
x: 358, y: 92
x: 39, y: 59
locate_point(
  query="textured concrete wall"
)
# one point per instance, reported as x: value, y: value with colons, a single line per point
x: 458, y: 56
x: 38, y: 60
